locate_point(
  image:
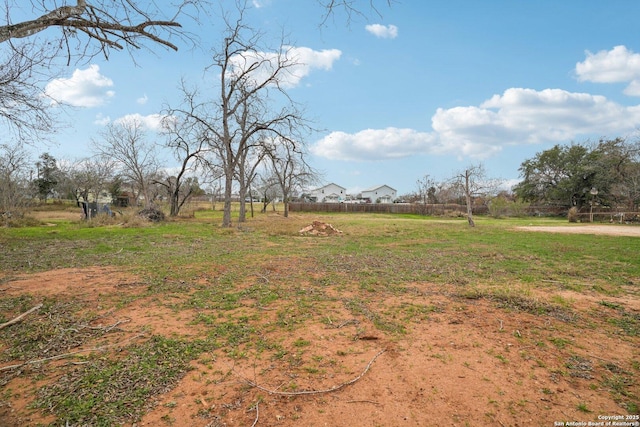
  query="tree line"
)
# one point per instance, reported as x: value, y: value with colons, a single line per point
x: 606, y: 172
x: 244, y: 132
x: 579, y: 175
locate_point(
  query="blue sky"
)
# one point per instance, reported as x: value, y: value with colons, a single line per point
x: 423, y: 87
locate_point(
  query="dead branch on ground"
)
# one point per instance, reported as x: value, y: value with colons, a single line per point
x: 255, y: 422
x: 307, y: 392
x: 105, y: 329
x: 73, y: 353
x: 19, y: 318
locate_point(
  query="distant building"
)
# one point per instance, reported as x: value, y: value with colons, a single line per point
x: 330, y: 193
x: 380, y: 194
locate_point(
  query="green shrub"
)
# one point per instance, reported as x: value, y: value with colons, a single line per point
x: 572, y: 215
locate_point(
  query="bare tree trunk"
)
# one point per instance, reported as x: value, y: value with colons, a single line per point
x: 242, y: 192
x: 467, y: 194
x: 226, y: 216
x: 175, y: 203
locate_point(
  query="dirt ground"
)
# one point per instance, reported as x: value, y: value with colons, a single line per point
x: 611, y: 230
x: 469, y: 362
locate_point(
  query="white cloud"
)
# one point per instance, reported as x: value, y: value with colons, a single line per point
x: 151, y: 122
x: 526, y: 116
x: 302, y: 61
x: 633, y: 89
x: 102, y: 120
x: 383, y: 31
x: 618, y: 65
x: 85, y: 88
x: 143, y: 99
x: 374, y: 144
x: 518, y: 116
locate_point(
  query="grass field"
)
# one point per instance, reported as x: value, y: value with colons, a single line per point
x: 397, y: 320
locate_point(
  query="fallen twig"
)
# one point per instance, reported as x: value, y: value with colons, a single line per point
x: 347, y: 322
x: 601, y: 358
x: 306, y: 392
x: 73, y: 353
x: 105, y: 329
x: 255, y: 422
x: 22, y: 316
x: 363, y: 401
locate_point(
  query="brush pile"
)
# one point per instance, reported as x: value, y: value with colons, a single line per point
x: 319, y: 228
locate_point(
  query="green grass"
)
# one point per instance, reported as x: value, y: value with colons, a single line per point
x: 107, y: 392
x: 244, y: 289
x: 417, y: 248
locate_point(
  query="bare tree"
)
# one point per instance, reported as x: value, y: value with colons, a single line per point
x: 247, y: 77
x: 189, y: 147
x: 15, y: 196
x: 23, y: 105
x: 474, y: 182
x: 248, y: 166
x: 105, y: 24
x: 289, y: 168
x: 30, y: 56
x: 426, y: 192
x: 87, y: 178
x: 120, y: 24
x: 349, y: 8
x: 250, y: 81
x: 88, y: 28
x: 125, y: 142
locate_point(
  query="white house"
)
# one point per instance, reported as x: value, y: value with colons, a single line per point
x: 330, y: 193
x: 380, y: 194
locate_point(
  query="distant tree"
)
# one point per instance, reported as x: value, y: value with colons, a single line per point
x: 189, y: 147
x: 566, y: 175
x: 617, y: 177
x: 47, y: 176
x: 426, y: 189
x: 250, y: 162
x: 117, y: 192
x: 136, y: 158
x: 426, y: 192
x: 15, y: 194
x: 473, y: 182
x: 627, y: 190
x: 87, y: 178
x: 289, y: 168
x: 556, y: 176
x: 269, y: 190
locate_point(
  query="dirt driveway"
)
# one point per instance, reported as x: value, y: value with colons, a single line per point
x: 611, y: 230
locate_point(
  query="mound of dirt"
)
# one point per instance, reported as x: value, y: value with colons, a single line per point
x: 319, y: 228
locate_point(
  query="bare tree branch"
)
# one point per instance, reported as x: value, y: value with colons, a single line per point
x: 19, y: 318
x: 307, y: 392
x: 109, y: 29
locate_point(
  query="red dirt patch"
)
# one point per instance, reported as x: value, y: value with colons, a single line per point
x: 459, y: 361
